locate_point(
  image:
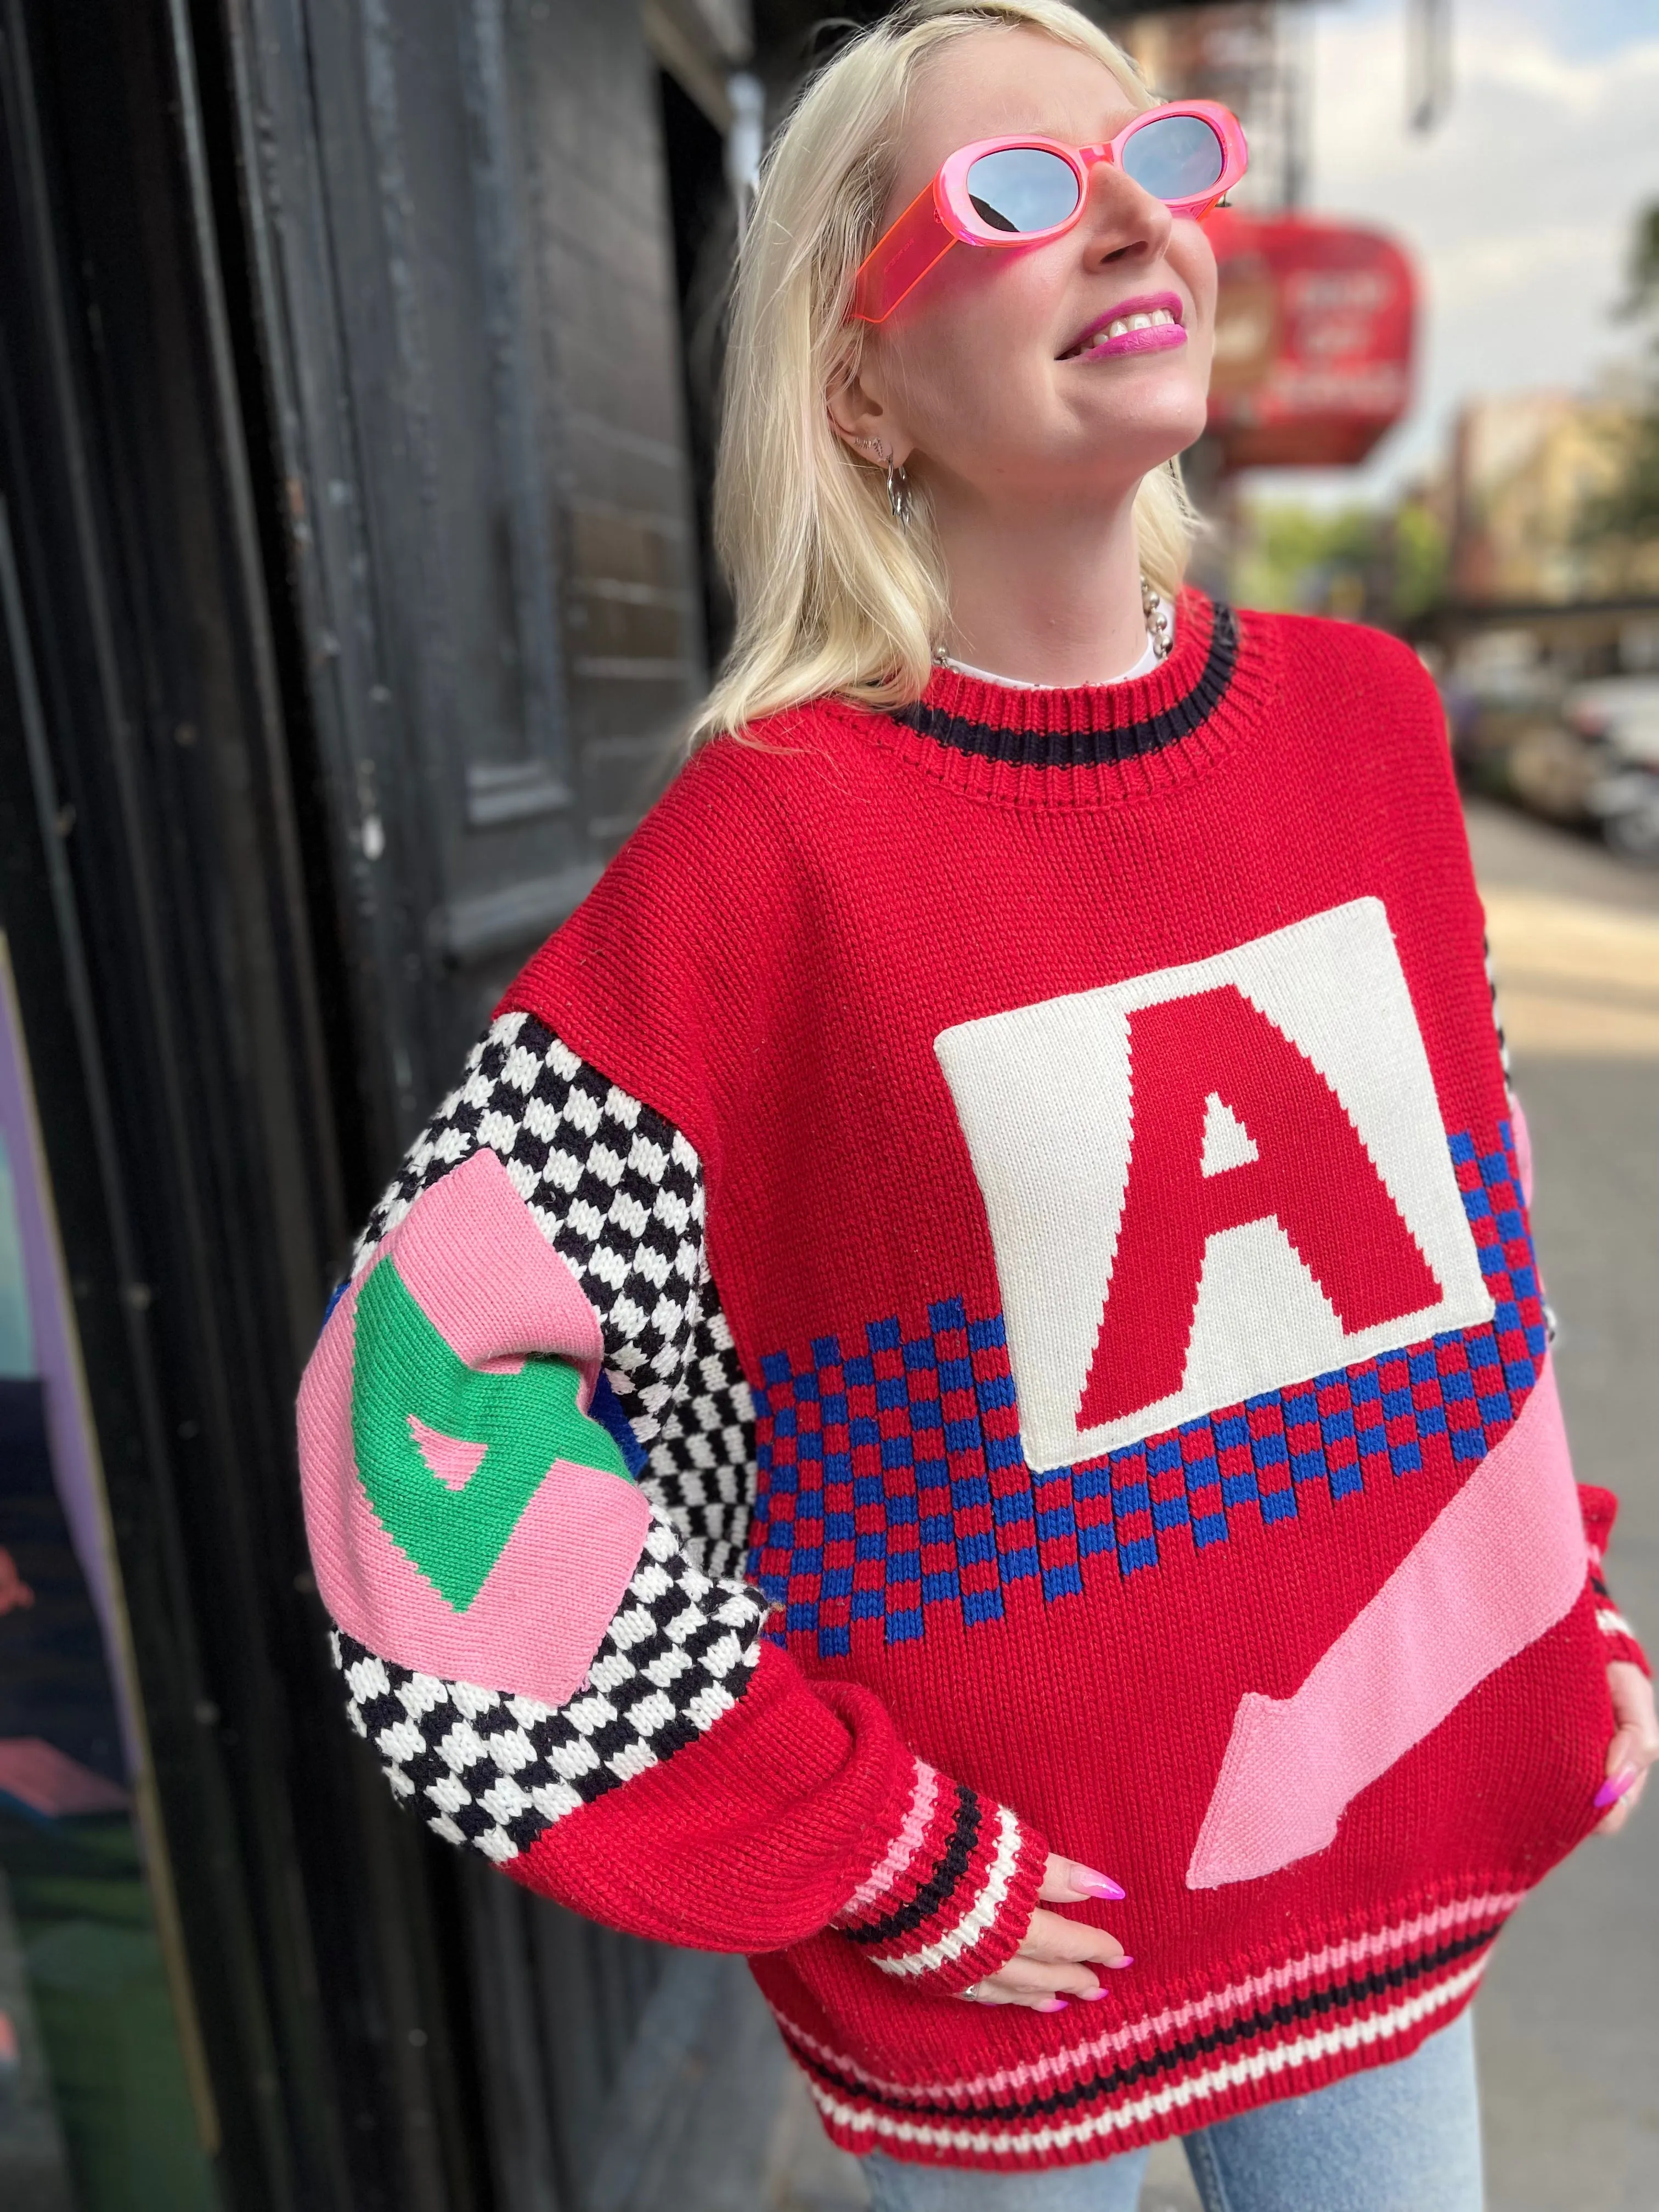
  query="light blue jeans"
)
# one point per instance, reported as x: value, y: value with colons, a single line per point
x: 1399, y: 2138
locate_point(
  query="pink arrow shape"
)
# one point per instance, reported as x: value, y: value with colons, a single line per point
x: 1502, y: 1562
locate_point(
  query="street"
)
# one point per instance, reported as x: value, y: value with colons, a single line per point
x: 1569, y: 2022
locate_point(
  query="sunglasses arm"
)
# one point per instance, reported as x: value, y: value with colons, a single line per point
x: 901, y: 257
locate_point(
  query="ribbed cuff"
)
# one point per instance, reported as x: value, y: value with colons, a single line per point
x: 952, y: 1897
x: 1619, y: 1636
x: 1599, y: 1509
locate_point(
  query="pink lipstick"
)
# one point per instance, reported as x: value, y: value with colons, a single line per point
x: 1151, y: 322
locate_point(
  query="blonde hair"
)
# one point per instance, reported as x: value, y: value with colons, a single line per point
x: 831, y: 595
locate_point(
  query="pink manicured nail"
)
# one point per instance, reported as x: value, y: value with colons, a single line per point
x: 1054, y: 2004
x: 1124, y: 1961
x: 1614, y: 1787
x: 1091, y: 1996
x: 1097, y: 1884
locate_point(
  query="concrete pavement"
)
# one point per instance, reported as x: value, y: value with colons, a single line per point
x: 1568, y: 2025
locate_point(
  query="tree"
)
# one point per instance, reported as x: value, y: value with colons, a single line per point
x: 1355, y: 562
x: 1628, y: 513
x: 1643, y: 298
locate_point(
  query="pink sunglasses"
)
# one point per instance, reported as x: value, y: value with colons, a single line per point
x: 1024, y: 192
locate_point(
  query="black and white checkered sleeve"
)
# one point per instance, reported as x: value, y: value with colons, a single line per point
x: 488, y: 1769
x: 619, y: 1193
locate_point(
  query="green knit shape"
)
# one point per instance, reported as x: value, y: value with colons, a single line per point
x: 402, y: 1367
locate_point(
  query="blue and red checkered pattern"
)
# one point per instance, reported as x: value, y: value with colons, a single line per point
x: 892, y: 1481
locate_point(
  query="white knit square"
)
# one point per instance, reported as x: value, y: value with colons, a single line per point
x: 1044, y: 1096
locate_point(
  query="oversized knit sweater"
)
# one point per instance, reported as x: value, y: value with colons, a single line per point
x: 977, y: 1298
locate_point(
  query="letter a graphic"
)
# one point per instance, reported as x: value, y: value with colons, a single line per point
x: 1311, y: 1174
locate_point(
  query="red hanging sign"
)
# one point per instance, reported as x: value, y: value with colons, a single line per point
x: 1314, y: 323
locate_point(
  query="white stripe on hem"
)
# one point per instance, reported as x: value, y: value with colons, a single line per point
x: 1174, y: 2020
x: 1614, y: 1624
x: 1280, y: 2058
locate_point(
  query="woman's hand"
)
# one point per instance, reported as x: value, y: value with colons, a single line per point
x: 1053, y: 1965
x: 1634, y: 1747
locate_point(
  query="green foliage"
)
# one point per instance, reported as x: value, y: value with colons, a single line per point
x: 1422, y: 562
x: 1642, y: 268
x: 1351, y: 561
x: 1294, y: 555
x: 1628, y: 513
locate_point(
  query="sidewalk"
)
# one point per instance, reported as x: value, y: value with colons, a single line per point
x: 1568, y: 2023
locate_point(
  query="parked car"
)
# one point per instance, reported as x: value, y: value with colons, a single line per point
x: 1619, y: 717
x: 1504, y: 714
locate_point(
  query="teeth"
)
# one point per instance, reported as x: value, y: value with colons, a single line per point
x: 1124, y: 325
x: 1121, y: 328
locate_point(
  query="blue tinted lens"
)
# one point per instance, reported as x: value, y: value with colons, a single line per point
x: 1022, y: 189
x: 1176, y: 158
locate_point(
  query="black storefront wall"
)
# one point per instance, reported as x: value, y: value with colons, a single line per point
x: 351, y: 603
x: 460, y: 282
x: 460, y: 276
x: 167, y: 978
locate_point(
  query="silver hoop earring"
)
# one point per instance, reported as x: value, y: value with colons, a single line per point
x: 898, y: 493
x: 898, y: 488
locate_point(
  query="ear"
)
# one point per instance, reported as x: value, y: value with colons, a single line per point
x: 858, y: 413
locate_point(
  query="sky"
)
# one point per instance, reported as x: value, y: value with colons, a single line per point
x: 1518, y: 208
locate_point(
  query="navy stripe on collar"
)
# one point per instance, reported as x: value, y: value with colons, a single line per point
x: 1085, y: 748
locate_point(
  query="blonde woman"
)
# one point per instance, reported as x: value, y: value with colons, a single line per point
x: 972, y: 1319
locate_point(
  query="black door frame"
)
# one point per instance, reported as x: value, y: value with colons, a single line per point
x: 176, y: 998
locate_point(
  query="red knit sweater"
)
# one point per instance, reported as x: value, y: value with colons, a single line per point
x: 1098, y: 1272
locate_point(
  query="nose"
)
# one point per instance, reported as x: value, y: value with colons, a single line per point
x: 1120, y: 220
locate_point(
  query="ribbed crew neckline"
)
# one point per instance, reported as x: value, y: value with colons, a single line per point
x: 1091, y: 744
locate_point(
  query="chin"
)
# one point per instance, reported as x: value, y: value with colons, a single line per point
x: 1155, y: 408
x: 1146, y: 440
